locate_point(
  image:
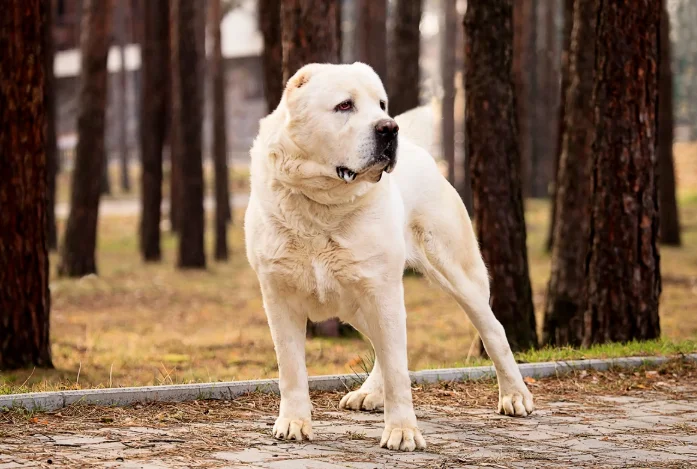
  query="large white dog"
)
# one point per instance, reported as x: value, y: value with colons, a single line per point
x: 339, y: 205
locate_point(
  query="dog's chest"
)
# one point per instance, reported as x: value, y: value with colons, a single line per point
x: 316, y: 265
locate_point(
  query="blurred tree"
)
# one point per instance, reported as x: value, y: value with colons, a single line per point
x: 492, y: 143
x: 524, y: 79
x: 105, y: 183
x: 25, y: 300
x: 175, y: 139
x: 310, y: 33
x: 449, y: 20
x: 561, y: 122
x: 121, y: 28
x: 272, y: 56
x: 623, y: 278
x: 79, y: 245
x: 669, y: 215
x: 187, y: 111
x: 566, y: 297
x: 52, y: 161
x: 371, y: 35
x: 222, y: 192
x: 403, y: 74
x: 155, y: 112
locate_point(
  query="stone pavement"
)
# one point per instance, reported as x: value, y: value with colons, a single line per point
x: 648, y: 426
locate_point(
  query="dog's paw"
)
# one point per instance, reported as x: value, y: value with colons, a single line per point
x: 518, y: 403
x: 361, y: 400
x: 402, y: 438
x: 297, y: 429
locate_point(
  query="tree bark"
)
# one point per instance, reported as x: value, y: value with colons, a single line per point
x: 371, y: 35
x: 623, y: 264
x: 78, y: 252
x: 187, y: 112
x: 52, y: 162
x: 566, y: 295
x: 25, y: 300
x: 403, y: 74
x: 123, y: 98
x: 670, y: 219
x: 561, y: 123
x: 309, y: 34
x: 175, y: 138
x: 524, y: 78
x: 449, y: 39
x: 154, y: 108
x: 222, y: 193
x: 492, y: 138
x: 272, y: 55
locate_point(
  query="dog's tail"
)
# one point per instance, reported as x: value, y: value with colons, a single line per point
x: 417, y: 125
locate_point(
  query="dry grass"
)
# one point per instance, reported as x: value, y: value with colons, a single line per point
x: 139, y: 324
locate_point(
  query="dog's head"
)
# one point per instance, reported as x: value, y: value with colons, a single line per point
x: 336, y: 115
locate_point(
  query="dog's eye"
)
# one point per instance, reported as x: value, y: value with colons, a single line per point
x: 344, y: 106
x: 382, y: 104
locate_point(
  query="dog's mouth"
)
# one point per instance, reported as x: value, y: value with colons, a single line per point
x: 346, y: 174
x: 385, y: 161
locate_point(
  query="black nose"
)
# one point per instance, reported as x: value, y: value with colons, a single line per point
x: 387, y: 128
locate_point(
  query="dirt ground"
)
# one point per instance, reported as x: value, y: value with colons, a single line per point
x: 646, y: 418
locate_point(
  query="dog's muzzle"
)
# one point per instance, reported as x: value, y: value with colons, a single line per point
x: 386, y: 131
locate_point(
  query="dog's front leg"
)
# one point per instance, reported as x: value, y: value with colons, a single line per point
x: 385, y: 320
x: 287, y: 325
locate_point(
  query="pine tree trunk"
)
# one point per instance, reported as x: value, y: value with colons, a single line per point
x: 566, y: 298
x: 175, y: 138
x: 123, y: 98
x: 492, y: 138
x: 105, y: 183
x: 449, y: 39
x: 154, y: 108
x: 403, y: 74
x: 371, y: 35
x: 187, y: 112
x: 309, y: 34
x: 524, y: 78
x: 52, y: 162
x: 222, y: 193
x: 272, y: 55
x: 561, y: 123
x: 669, y: 215
x: 78, y: 252
x: 25, y: 300
x: 623, y: 268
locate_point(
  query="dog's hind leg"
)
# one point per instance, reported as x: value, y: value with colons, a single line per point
x: 370, y: 395
x: 445, y: 249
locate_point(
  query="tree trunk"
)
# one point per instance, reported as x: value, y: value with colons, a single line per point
x: 669, y: 215
x: 371, y: 35
x: 154, y: 108
x: 561, y: 124
x: 309, y: 34
x: 272, y: 55
x: 52, y: 162
x: 623, y: 263
x: 403, y: 74
x: 222, y: 193
x: 187, y: 112
x: 524, y: 78
x: 175, y: 138
x: 123, y: 98
x: 25, y: 300
x: 78, y: 253
x: 566, y: 297
x: 492, y: 138
x: 449, y: 38
x: 104, y: 184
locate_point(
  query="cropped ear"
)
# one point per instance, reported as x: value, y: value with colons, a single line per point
x: 301, y: 77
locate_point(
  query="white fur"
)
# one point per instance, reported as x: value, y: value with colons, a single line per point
x: 323, y: 246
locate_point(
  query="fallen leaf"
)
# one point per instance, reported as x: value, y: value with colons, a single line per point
x: 529, y: 380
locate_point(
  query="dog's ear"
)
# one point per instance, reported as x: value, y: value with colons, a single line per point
x: 301, y: 77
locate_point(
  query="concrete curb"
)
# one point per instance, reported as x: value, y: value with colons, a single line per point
x: 48, y: 401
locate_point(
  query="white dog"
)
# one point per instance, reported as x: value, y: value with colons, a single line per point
x: 337, y: 209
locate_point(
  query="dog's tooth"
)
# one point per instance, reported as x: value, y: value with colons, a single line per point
x: 347, y: 176
x: 353, y: 176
